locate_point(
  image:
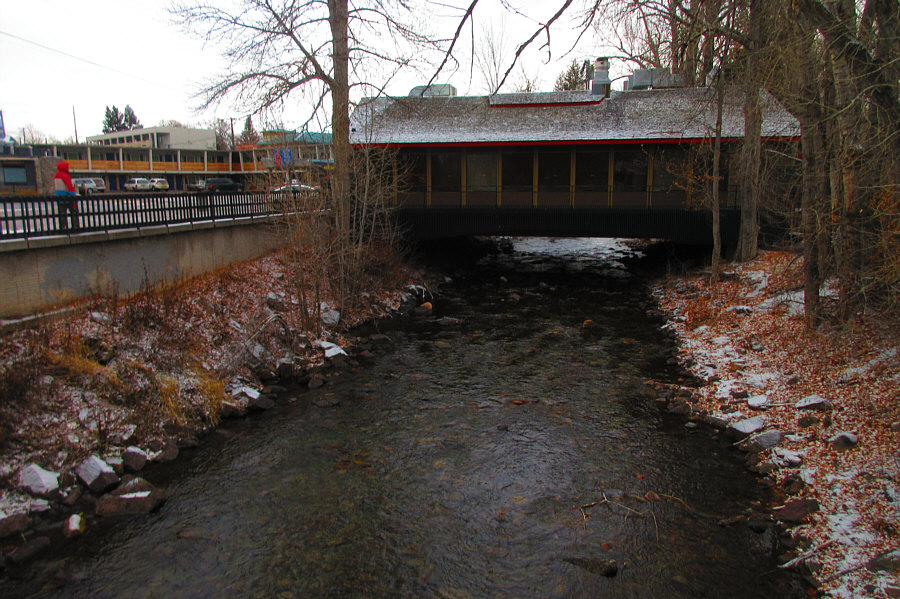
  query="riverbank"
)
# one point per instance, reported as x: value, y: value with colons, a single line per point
x: 91, y: 398
x: 820, y: 409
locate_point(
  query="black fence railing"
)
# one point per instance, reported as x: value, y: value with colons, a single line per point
x: 43, y: 216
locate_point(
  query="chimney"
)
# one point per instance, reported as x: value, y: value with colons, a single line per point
x: 601, y: 84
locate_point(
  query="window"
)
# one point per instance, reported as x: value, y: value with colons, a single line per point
x: 591, y: 170
x: 518, y: 170
x: 481, y: 170
x: 630, y: 170
x: 553, y: 170
x: 446, y: 171
x: 413, y: 166
x: 14, y: 175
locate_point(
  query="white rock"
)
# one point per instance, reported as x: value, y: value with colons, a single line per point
x: 96, y: 474
x: 813, y: 402
x: 748, y: 426
x: 74, y: 526
x: 758, y: 402
x: 248, y: 392
x: 38, y: 481
x: 331, y: 350
x: 792, y: 458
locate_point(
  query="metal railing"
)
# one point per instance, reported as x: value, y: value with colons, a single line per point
x: 23, y: 218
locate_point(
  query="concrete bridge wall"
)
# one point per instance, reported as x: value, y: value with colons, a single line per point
x: 40, y: 274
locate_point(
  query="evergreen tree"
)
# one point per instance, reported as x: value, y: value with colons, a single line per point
x: 113, y: 120
x: 249, y: 136
x: 575, y: 77
x: 130, y: 120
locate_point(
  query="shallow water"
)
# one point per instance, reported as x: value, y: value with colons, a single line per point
x: 499, y: 447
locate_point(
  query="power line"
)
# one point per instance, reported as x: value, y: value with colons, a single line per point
x: 86, y: 61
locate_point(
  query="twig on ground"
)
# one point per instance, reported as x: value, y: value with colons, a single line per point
x: 806, y: 556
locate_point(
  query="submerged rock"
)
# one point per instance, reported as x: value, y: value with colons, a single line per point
x: 601, y: 566
x: 135, y: 497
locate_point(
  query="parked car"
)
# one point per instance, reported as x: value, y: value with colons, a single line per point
x: 222, y: 184
x: 99, y: 183
x: 84, y: 186
x: 296, y: 186
x: 159, y: 184
x: 198, y: 185
x: 137, y: 184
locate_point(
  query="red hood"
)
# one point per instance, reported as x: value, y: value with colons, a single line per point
x: 63, y: 167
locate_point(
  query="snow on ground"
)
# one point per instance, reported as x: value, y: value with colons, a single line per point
x: 744, y: 337
x: 162, y: 362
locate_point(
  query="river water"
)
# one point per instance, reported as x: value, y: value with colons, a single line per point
x: 506, y: 445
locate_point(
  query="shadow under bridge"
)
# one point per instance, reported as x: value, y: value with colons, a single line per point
x: 678, y: 225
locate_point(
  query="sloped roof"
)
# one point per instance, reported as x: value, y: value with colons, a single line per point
x: 559, y: 117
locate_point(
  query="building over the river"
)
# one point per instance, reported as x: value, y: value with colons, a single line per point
x: 578, y: 149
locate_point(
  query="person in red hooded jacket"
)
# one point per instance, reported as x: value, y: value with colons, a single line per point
x: 65, y: 192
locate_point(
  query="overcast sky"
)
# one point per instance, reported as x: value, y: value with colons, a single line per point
x: 57, y: 57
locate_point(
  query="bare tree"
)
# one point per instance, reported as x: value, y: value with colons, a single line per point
x: 283, y: 49
x: 490, y: 55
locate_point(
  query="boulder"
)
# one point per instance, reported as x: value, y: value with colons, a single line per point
x: 843, y: 440
x: 813, y: 402
x: 330, y: 316
x: 744, y: 428
x: 168, y: 453
x: 124, y: 436
x: 796, y: 510
x: 38, y: 481
x: 274, y: 302
x: 261, y: 403
x: 232, y: 409
x: 763, y: 441
x: 134, y: 459
x: 12, y: 524
x: 25, y: 552
x: 135, y: 497
x: 97, y: 475
x: 74, y: 526
x: 758, y: 402
x: 315, y: 381
x: 886, y: 562
x: 284, y: 368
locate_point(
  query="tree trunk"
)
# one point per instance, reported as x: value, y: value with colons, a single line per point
x: 340, y: 128
x: 812, y: 144
x: 748, y: 242
x: 717, y: 158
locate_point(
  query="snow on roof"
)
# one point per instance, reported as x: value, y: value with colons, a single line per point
x: 569, y: 117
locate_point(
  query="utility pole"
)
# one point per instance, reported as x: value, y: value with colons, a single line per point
x: 74, y: 122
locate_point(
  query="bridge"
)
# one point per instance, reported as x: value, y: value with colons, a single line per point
x: 120, y: 243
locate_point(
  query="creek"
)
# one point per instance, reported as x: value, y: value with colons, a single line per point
x: 505, y: 445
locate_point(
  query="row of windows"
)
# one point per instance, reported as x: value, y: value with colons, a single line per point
x: 630, y: 169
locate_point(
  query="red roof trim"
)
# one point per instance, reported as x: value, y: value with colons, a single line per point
x: 545, y: 104
x: 590, y: 142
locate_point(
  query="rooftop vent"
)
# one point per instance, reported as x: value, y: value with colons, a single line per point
x: 655, y: 78
x: 427, y: 91
x: 601, y: 83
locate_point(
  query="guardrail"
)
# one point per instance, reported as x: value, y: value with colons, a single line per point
x: 23, y: 218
